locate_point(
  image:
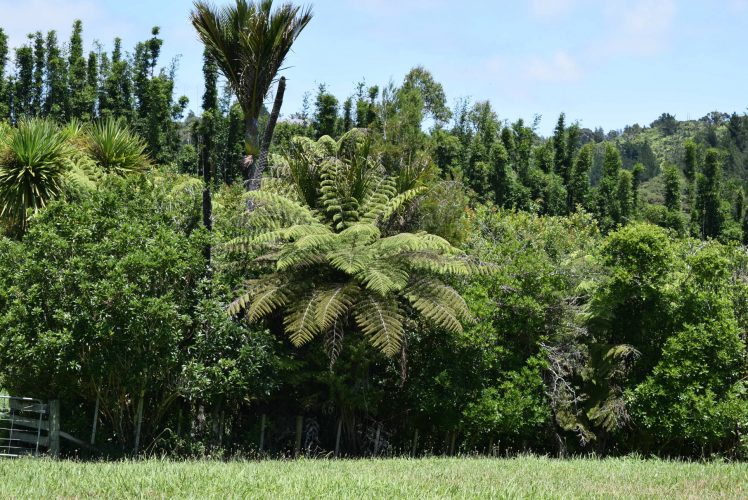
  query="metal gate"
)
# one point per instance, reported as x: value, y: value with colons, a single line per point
x: 24, y: 426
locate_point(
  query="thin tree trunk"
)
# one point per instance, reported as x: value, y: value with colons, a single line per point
x: 251, y: 150
x: 376, y: 440
x: 262, y: 432
x: 207, y: 196
x: 299, y: 430
x: 54, y: 428
x: 95, y: 418
x: 139, y: 423
x: 267, y: 137
x: 337, y: 437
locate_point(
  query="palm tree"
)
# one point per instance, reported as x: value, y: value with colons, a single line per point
x: 327, y: 259
x: 249, y: 42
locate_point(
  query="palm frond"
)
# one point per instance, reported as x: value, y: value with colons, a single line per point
x: 249, y: 42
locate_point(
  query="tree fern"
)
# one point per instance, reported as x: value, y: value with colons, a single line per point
x: 331, y: 261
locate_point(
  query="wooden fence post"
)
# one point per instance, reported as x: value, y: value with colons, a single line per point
x: 54, y: 428
x: 299, y: 429
x: 262, y: 432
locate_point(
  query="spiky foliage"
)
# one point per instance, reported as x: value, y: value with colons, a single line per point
x: 327, y: 261
x: 33, y: 165
x: 249, y: 42
x: 115, y: 148
x: 4, y: 130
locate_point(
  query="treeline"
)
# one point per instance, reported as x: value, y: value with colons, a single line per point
x: 619, y: 176
x: 47, y: 79
x: 578, y: 342
x: 687, y: 176
x: 408, y: 279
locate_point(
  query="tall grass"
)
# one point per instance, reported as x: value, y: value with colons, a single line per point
x: 525, y: 477
x: 115, y: 148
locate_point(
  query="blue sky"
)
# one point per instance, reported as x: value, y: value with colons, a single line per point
x: 605, y: 63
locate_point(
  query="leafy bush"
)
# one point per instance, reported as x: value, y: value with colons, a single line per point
x: 694, y: 401
x: 100, y: 301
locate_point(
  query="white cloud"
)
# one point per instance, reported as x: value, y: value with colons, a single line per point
x: 639, y: 28
x: 559, y: 68
x: 551, y: 8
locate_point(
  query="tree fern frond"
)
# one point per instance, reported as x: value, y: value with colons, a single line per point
x: 239, y: 303
x: 294, y: 257
x: 282, y: 205
x: 383, y: 277
x: 435, y: 263
x: 397, y: 203
x: 334, y: 342
x: 300, y: 322
x: 380, y: 320
x: 382, y: 190
x: 350, y: 260
x: 267, y: 301
x: 435, y: 289
x: 418, y: 242
x: 435, y: 310
x: 334, y: 303
x: 361, y: 233
x: 321, y: 241
x: 292, y: 233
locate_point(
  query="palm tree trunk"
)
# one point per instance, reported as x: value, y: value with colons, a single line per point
x: 250, y: 142
x: 267, y: 137
x: 253, y: 168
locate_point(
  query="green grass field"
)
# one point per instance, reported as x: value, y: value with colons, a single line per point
x: 396, y: 478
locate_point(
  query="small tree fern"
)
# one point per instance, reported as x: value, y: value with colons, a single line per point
x: 317, y: 234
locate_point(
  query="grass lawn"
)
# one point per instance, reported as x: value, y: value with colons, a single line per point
x: 398, y: 478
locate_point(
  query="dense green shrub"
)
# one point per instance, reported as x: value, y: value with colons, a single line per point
x: 106, y: 300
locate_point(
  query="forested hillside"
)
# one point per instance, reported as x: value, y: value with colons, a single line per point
x: 377, y: 273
